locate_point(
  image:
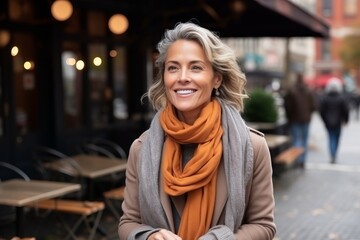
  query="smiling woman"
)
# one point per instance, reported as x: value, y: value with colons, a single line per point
x: 198, y: 172
x: 189, y: 79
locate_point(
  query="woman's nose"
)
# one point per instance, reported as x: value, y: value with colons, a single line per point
x: 184, y: 76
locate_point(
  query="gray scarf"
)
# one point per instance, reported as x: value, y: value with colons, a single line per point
x: 238, y: 161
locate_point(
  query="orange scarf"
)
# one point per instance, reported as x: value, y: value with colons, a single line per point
x: 198, y: 178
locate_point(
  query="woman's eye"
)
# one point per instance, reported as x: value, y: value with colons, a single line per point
x: 171, y: 68
x: 196, y: 68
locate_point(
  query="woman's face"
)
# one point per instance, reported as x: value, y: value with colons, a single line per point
x: 189, y: 79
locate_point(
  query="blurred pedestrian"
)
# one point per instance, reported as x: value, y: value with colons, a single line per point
x: 198, y: 172
x: 334, y: 111
x: 357, y: 105
x: 299, y: 103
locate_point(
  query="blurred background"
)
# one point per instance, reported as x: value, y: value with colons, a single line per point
x: 74, y: 70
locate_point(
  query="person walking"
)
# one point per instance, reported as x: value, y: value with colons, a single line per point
x: 334, y: 111
x: 299, y: 106
x: 357, y: 105
x: 198, y: 172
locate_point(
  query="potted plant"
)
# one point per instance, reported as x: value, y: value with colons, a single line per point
x: 260, y: 107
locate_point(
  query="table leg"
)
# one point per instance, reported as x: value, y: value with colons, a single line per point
x: 89, y: 191
x: 90, y: 196
x: 19, y: 221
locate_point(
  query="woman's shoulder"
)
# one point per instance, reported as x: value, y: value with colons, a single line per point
x: 139, y: 140
x: 260, y: 148
x: 256, y: 132
x: 257, y: 138
x: 135, y: 148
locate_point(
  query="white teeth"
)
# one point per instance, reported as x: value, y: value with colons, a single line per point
x: 184, y: 92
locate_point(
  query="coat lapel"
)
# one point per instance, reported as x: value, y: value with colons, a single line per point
x: 165, y: 202
x: 221, y: 194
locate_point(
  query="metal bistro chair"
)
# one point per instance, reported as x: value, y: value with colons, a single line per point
x: 45, y: 161
x: 115, y: 195
x: 18, y: 172
x: 92, y: 149
x: 113, y: 199
x: 109, y: 149
x: 115, y: 149
x: 90, y: 212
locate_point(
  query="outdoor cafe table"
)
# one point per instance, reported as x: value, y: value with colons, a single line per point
x: 92, y: 167
x: 19, y: 193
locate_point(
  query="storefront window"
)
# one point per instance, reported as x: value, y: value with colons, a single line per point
x: 100, y: 91
x: 72, y: 66
x: 20, y: 10
x: 350, y: 8
x: 25, y: 84
x: 325, y: 50
x: 73, y: 23
x: 97, y: 25
x: 120, y: 104
x: 327, y: 8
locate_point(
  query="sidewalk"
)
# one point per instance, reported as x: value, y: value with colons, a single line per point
x: 323, y: 201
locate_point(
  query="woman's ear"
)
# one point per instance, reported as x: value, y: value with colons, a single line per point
x: 218, y: 80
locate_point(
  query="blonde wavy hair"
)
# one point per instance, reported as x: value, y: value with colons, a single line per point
x: 222, y: 59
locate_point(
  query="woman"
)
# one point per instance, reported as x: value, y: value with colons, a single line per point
x: 334, y: 112
x: 198, y: 172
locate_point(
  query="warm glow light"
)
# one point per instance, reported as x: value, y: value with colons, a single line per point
x: 28, y: 65
x: 14, y: 51
x: 80, y: 65
x: 4, y: 38
x: 113, y: 53
x: 70, y: 61
x: 97, y: 61
x: 238, y: 6
x: 61, y: 10
x: 118, y: 24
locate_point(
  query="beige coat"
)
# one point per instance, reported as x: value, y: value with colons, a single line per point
x: 258, y: 222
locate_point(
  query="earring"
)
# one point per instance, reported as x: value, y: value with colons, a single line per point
x: 217, y: 93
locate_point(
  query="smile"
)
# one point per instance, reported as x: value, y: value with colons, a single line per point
x: 184, y: 91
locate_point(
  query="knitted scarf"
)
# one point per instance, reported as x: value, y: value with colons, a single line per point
x: 238, y: 163
x: 198, y: 178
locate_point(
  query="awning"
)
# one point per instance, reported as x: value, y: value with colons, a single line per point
x: 230, y: 18
x: 286, y: 19
x: 321, y: 81
x: 249, y: 18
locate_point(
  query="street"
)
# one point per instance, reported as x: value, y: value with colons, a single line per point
x: 322, y: 201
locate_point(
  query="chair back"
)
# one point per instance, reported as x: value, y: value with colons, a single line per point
x: 48, y: 163
x: 106, y: 148
x: 16, y: 172
x: 44, y: 157
x: 92, y: 149
x: 110, y: 146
